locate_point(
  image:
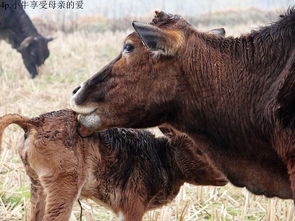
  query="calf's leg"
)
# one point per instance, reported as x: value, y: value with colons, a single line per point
x: 60, y: 196
x: 37, y: 192
x: 37, y: 201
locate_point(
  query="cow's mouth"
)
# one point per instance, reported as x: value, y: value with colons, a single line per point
x: 88, y: 115
x: 85, y: 110
x: 90, y: 121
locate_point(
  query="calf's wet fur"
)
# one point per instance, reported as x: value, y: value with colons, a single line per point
x: 129, y: 171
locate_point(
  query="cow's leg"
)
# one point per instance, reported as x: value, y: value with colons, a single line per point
x: 37, y: 201
x: 61, y: 192
x: 290, y: 161
x: 133, y: 212
x: 284, y: 142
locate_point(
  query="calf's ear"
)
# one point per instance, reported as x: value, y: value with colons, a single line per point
x: 168, y: 130
x: 166, y: 42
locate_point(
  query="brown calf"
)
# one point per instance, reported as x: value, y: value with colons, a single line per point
x: 129, y: 171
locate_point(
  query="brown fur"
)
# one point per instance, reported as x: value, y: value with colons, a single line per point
x: 233, y: 96
x: 129, y: 171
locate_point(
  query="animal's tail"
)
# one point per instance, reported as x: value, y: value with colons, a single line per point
x: 8, y: 119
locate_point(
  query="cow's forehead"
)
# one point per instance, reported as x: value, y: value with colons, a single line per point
x: 132, y: 38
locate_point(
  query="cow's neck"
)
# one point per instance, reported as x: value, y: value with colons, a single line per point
x: 19, y: 28
x: 262, y: 51
x: 15, y: 40
x: 227, y: 80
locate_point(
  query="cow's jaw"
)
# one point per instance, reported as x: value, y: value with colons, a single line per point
x: 91, y: 121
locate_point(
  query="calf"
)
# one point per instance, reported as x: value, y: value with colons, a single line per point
x: 130, y: 171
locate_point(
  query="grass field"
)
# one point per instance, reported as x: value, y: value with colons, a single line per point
x: 75, y: 57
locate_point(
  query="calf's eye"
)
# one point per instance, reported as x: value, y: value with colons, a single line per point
x: 128, y: 48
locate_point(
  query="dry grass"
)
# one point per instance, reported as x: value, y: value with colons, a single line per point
x: 74, y: 58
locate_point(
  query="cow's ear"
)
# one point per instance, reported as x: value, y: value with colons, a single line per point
x: 49, y: 39
x: 25, y: 43
x: 218, y: 31
x: 166, y: 42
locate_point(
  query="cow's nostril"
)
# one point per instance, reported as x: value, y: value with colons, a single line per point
x: 76, y: 90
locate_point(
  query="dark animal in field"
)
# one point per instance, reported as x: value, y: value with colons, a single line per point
x: 130, y: 171
x: 18, y: 30
x: 234, y: 96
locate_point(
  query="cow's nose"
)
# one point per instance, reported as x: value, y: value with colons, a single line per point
x: 76, y: 90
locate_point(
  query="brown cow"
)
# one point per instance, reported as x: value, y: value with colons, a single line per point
x: 130, y: 171
x: 234, y: 96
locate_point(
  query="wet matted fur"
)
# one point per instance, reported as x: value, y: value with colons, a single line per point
x: 130, y: 171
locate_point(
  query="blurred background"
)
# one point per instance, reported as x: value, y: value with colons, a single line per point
x: 115, y: 15
x: 87, y: 39
x: 122, y: 8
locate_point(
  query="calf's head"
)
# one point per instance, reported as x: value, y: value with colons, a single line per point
x: 139, y: 87
x: 34, y: 51
x: 192, y: 162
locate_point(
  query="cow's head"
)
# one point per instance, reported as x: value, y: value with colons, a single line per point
x: 34, y: 51
x: 139, y: 87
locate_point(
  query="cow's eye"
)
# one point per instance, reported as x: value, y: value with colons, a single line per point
x: 128, y: 48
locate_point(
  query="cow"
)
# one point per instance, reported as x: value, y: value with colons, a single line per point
x: 235, y: 96
x: 18, y: 30
x: 130, y: 171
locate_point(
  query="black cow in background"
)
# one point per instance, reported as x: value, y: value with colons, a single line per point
x: 18, y: 30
